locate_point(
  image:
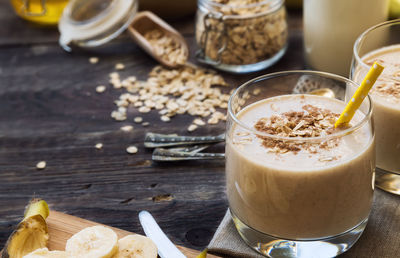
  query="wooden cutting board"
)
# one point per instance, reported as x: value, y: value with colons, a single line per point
x: 62, y: 226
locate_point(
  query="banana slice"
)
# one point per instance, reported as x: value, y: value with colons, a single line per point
x: 136, y: 246
x: 45, y: 253
x: 93, y: 242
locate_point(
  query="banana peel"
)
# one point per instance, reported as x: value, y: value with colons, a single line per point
x: 203, y: 254
x: 31, y: 232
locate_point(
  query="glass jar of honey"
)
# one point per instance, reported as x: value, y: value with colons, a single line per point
x: 40, y: 11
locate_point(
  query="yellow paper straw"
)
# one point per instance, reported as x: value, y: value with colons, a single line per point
x: 359, y: 95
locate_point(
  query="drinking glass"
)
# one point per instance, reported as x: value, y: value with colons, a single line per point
x: 309, y: 203
x: 383, y: 38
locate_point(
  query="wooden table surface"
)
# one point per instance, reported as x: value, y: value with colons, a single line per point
x: 49, y: 110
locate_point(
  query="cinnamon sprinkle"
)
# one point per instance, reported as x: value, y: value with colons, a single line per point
x: 311, y: 122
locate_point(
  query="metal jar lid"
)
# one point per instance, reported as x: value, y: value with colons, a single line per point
x: 91, y: 23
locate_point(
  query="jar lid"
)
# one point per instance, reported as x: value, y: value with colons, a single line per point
x: 92, y: 23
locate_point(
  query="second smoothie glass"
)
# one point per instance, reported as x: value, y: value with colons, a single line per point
x: 282, y: 209
x: 383, y: 37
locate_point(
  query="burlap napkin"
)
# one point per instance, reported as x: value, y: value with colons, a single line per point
x: 380, y: 239
x: 227, y: 241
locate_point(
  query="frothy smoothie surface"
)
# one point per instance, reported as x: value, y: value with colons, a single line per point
x: 300, y: 116
x: 301, y: 189
x: 388, y: 85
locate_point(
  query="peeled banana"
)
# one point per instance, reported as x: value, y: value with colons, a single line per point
x: 31, y: 232
x: 136, y: 246
x: 45, y: 253
x: 93, y: 242
x: 30, y: 239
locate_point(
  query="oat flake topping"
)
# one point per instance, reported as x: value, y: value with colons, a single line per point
x: 311, y: 122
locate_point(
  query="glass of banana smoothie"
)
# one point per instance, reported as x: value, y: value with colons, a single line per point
x: 296, y: 186
x: 382, y: 43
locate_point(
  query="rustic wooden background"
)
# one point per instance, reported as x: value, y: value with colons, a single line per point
x: 49, y: 110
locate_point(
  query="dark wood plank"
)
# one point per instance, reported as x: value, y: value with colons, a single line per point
x: 49, y: 110
x: 16, y: 31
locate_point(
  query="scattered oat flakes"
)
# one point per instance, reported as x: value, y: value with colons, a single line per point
x: 114, y: 75
x: 145, y: 124
x: 199, y: 122
x: 185, y: 90
x: 165, y: 119
x: 132, y: 149
x: 119, y: 66
x: 131, y: 79
x: 213, y: 120
x: 100, y: 88
x: 138, y: 119
x: 138, y: 104
x: 192, y: 127
x: 99, y: 146
x: 94, y: 60
x: 127, y: 128
x: 118, y: 115
x: 41, y: 165
x: 144, y: 109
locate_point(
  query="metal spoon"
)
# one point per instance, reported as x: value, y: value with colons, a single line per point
x: 158, y: 141
x: 154, y: 140
x: 166, y: 249
x: 146, y: 21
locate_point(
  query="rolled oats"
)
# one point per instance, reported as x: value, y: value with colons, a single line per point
x: 144, y: 109
x: 118, y: 116
x: 249, y: 31
x: 192, y: 127
x: 311, y: 122
x: 167, y: 47
x: 138, y: 119
x: 100, y: 88
x: 199, y: 122
x: 119, y: 66
x: 187, y: 89
x: 114, y: 75
x: 41, y: 165
x: 127, y: 128
x: 138, y: 104
x: 165, y: 119
x: 132, y: 149
x: 94, y: 60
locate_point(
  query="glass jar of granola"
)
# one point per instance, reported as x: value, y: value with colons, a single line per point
x: 241, y: 35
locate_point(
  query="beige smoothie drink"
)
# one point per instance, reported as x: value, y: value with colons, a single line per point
x: 305, y: 189
x: 386, y: 97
